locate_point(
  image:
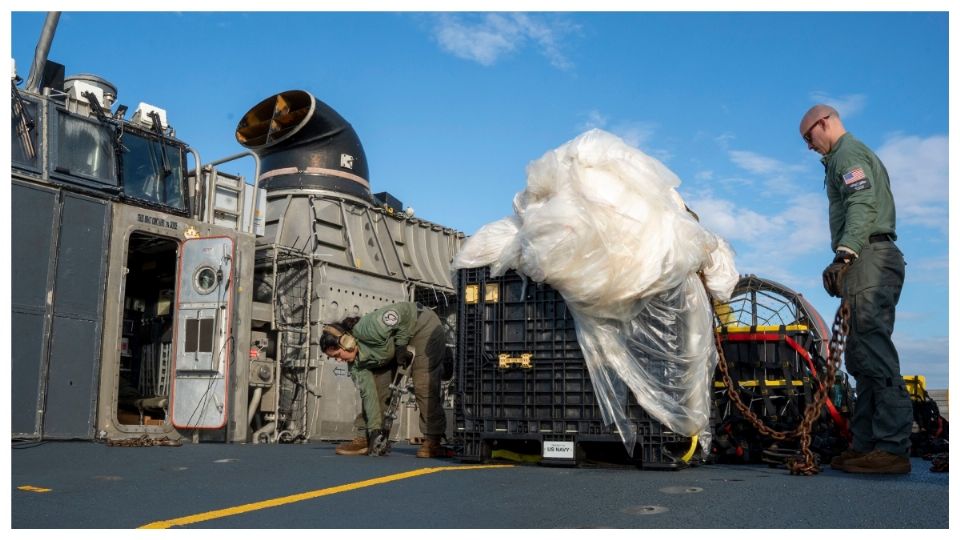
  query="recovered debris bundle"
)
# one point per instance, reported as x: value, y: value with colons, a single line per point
x: 602, y: 223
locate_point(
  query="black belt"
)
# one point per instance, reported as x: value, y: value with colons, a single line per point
x: 885, y: 237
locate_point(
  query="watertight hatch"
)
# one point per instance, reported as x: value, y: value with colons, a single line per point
x: 202, y: 335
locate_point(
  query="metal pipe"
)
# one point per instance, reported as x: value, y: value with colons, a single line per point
x: 211, y: 194
x: 196, y: 184
x: 254, y: 405
x: 43, y: 49
x: 306, y: 365
x: 269, y: 428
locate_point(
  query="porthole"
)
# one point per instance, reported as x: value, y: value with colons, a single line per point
x: 205, y: 280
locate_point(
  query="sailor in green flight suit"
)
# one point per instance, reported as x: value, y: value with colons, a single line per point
x: 372, y: 346
x: 868, y: 272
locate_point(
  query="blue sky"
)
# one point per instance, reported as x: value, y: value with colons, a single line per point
x: 451, y: 107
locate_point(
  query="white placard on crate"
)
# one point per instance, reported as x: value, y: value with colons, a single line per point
x: 558, y: 449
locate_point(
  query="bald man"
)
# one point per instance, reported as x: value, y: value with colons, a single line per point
x: 868, y: 272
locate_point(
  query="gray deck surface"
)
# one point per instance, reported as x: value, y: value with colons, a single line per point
x: 95, y: 486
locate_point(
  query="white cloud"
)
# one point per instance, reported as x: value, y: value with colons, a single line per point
x: 756, y: 163
x: 929, y: 271
x: 724, y: 139
x: 486, y: 38
x: 595, y: 119
x: 918, y: 170
x: 637, y: 134
x: 735, y: 182
x: 847, y: 106
x: 770, y: 245
x: 924, y: 356
x: 777, y: 176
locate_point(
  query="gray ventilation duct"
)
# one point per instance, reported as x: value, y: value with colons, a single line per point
x: 303, y: 143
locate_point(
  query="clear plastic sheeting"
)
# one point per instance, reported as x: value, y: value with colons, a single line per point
x: 602, y: 223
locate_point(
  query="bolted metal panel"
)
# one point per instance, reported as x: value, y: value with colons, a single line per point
x: 34, y: 217
x: 27, y: 344
x: 82, y: 258
x: 71, y: 393
x: 32, y: 234
x: 394, y: 267
x: 342, y: 293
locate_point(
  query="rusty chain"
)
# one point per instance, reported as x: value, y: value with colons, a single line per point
x: 144, y: 440
x: 808, y: 466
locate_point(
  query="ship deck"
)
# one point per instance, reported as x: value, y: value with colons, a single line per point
x: 90, y: 485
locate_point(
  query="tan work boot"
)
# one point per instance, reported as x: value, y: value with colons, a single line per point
x: 838, y: 461
x: 356, y: 447
x: 431, y: 448
x: 878, y: 462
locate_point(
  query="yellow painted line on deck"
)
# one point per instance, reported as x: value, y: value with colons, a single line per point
x: 289, y: 499
x: 34, y: 489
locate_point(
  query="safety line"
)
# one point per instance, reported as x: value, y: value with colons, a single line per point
x: 34, y: 489
x: 279, y: 501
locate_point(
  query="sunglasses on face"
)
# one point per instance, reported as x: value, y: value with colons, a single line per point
x: 808, y: 136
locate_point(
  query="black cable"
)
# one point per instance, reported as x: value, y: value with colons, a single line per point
x: 26, y: 445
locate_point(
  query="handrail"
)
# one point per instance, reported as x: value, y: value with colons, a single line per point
x: 211, y: 187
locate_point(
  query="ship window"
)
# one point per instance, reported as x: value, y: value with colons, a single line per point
x: 205, y: 280
x: 85, y: 148
x: 199, y: 336
x: 144, y: 177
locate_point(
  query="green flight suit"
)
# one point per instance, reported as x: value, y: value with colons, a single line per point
x: 378, y: 335
x: 861, y: 212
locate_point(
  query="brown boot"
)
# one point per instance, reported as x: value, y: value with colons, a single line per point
x: 431, y: 448
x: 878, y: 462
x: 356, y: 447
x: 838, y: 461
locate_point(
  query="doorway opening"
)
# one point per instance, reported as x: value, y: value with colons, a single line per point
x: 146, y: 343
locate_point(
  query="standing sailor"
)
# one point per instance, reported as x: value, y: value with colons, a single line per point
x: 867, y: 272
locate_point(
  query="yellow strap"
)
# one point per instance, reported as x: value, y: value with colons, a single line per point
x: 781, y: 382
x: 739, y: 329
x: 693, y: 447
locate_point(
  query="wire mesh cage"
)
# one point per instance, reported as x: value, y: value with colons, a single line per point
x: 775, y: 347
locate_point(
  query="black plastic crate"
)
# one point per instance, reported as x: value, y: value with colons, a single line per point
x: 650, y: 452
x: 521, y: 373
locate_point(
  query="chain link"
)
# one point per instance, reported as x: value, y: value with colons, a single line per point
x: 808, y: 466
x: 143, y: 440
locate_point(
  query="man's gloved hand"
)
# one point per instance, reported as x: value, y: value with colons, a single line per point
x: 403, y: 356
x: 832, y: 273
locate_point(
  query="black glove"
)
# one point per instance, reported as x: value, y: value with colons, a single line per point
x: 403, y: 356
x: 832, y: 274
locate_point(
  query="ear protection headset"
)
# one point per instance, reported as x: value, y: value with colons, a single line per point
x: 344, y: 340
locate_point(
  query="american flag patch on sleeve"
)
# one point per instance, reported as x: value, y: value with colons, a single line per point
x: 854, y: 176
x: 856, y: 180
